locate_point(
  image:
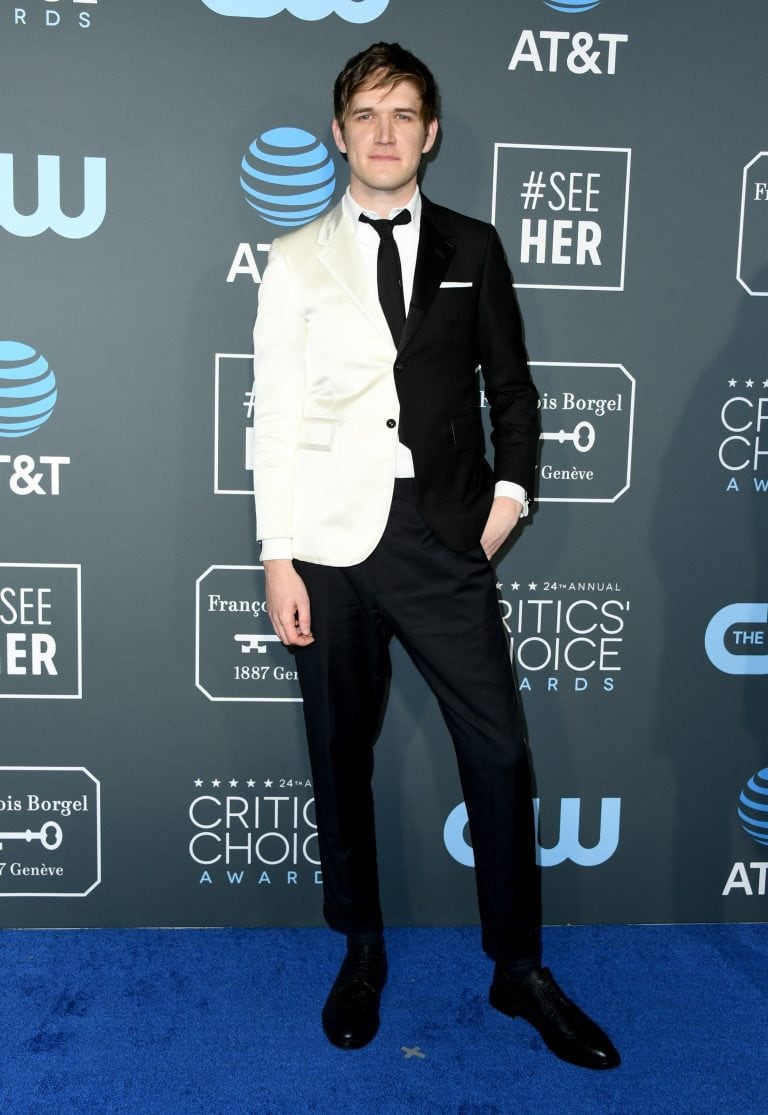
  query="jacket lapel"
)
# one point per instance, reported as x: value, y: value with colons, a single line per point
x: 434, y: 253
x: 339, y: 255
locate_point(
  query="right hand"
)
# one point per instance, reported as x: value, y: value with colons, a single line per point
x: 288, y: 603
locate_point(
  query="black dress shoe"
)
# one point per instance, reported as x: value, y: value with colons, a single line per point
x: 351, y: 1011
x: 565, y: 1028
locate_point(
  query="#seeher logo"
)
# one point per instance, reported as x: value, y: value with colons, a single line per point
x: 753, y: 807
x: 288, y: 176
x: 27, y: 389
x: 572, y: 5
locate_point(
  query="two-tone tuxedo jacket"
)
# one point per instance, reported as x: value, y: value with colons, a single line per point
x: 333, y: 394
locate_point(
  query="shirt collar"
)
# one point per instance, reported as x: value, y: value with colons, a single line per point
x: 353, y: 210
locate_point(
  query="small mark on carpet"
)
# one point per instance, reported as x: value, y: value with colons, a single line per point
x: 409, y: 1053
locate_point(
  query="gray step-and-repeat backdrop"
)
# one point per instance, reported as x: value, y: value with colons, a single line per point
x: 152, y: 761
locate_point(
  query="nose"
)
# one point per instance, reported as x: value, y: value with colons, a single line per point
x: 384, y: 131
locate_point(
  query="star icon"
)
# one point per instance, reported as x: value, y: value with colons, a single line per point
x: 731, y: 382
x: 233, y: 782
x: 749, y: 383
x: 250, y: 783
x: 268, y: 783
x: 198, y: 782
x: 215, y: 782
x: 765, y: 383
x: 515, y: 586
x: 532, y: 586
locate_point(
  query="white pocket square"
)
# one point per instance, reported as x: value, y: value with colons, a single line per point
x: 453, y: 286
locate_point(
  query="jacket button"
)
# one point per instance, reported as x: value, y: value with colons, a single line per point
x: 399, y: 367
x: 391, y: 423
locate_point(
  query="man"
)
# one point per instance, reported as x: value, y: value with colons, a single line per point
x: 378, y: 515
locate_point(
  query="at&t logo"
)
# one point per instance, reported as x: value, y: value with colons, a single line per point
x: 353, y: 11
x: 28, y: 395
x: 753, y: 814
x: 48, y: 214
x: 287, y: 176
x: 581, y: 52
x: 568, y: 845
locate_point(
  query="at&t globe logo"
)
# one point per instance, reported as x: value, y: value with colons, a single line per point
x: 753, y: 807
x: 572, y: 5
x: 27, y: 389
x: 288, y: 177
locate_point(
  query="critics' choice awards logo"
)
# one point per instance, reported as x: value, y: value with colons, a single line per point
x: 254, y: 831
x: 743, y: 449
x: 562, y: 214
x: 50, y: 844
x: 556, y: 846
x: 565, y: 636
x: 749, y: 878
x: 238, y: 656
x: 288, y: 177
x: 575, y: 52
x: 46, y: 210
x: 40, y: 631
x: 587, y: 419
x: 736, y: 639
x: 67, y: 13
x: 28, y: 394
x: 353, y: 11
x: 752, y: 265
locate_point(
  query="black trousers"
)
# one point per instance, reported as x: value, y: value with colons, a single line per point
x: 443, y: 607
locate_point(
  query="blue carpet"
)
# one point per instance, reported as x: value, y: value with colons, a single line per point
x: 227, y: 1021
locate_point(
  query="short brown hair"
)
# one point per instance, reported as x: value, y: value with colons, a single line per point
x: 392, y: 64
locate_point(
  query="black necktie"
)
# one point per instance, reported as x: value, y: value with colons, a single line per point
x: 389, y: 276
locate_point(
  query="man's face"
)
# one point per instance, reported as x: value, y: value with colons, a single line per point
x: 384, y: 138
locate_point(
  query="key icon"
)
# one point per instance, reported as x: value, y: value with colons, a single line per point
x: 583, y: 436
x: 50, y: 836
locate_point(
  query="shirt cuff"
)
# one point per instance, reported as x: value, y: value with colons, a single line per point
x: 513, y: 491
x: 272, y: 549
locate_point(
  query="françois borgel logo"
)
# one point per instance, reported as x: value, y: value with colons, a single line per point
x: 752, y: 265
x: 743, y: 449
x: 40, y: 631
x: 47, y: 210
x: 238, y: 655
x: 28, y: 394
x: 353, y: 11
x: 50, y: 844
x: 562, y: 214
x: 736, y: 639
x: 750, y: 878
x: 587, y: 419
x: 287, y: 176
x: 576, y: 52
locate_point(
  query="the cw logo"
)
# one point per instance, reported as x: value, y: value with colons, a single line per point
x: 48, y: 213
x: 568, y: 846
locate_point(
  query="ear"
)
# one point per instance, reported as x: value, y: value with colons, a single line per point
x: 338, y: 136
x: 429, y: 142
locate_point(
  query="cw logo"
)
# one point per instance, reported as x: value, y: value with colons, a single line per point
x: 48, y: 213
x: 745, y: 628
x: 568, y: 846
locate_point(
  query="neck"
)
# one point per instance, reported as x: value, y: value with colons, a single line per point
x: 382, y: 202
